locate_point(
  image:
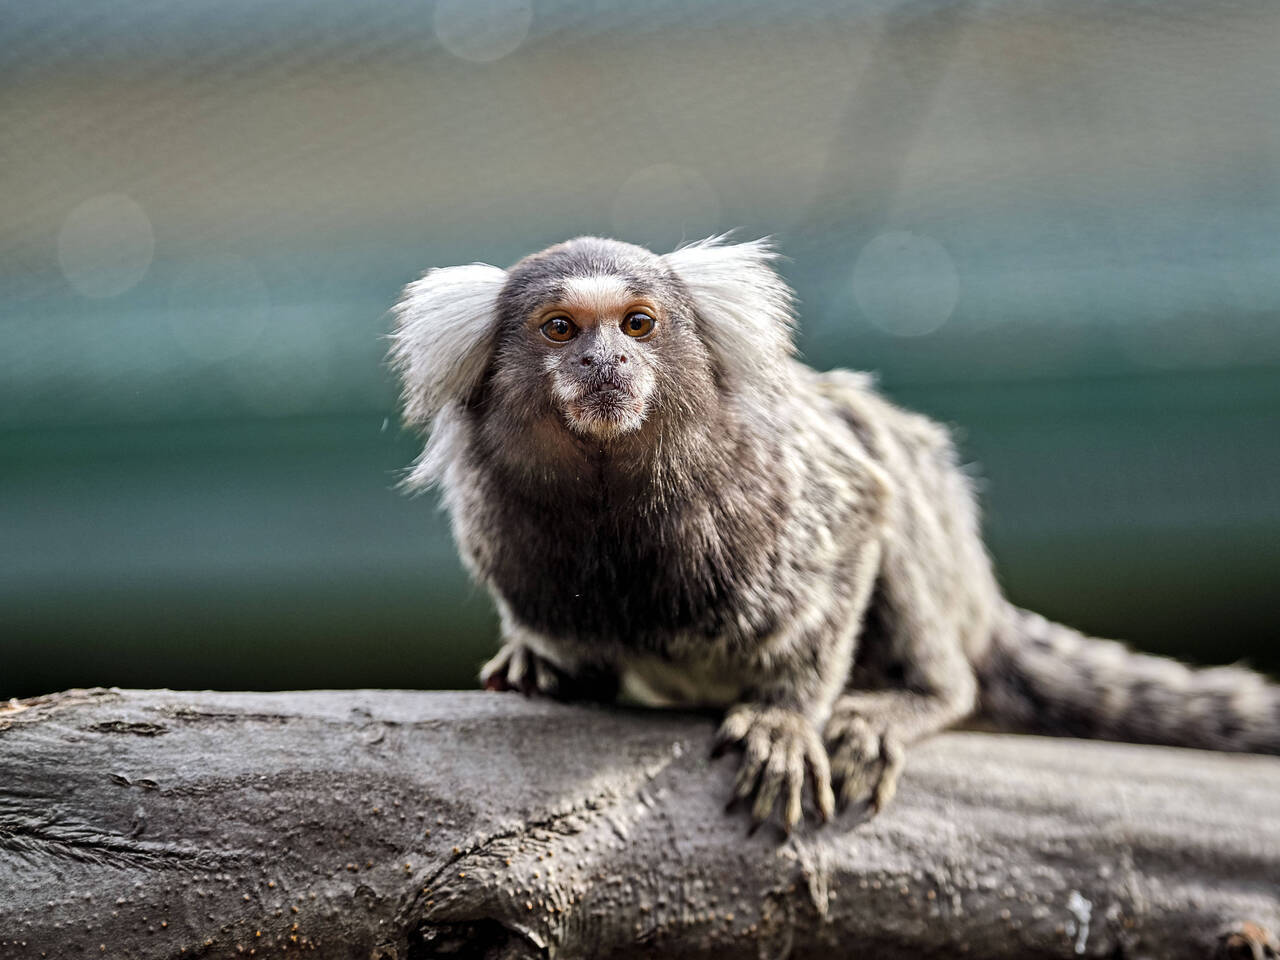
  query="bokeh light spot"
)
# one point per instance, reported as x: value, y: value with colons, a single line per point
x: 106, y: 245
x: 482, y: 30
x: 906, y: 283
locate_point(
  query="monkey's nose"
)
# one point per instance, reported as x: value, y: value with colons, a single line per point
x: 591, y: 360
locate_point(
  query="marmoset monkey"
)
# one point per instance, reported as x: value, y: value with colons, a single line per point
x: 666, y: 504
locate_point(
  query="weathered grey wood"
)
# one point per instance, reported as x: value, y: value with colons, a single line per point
x: 404, y: 825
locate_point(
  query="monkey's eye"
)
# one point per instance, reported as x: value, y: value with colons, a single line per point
x: 559, y: 329
x: 637, y: 324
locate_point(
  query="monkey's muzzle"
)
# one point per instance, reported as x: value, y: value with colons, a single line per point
x: 606, y: 406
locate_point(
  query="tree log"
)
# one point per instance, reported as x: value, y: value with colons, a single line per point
x: 389, y: 824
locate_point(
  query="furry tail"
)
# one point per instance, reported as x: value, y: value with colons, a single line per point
x: 1042, y: 677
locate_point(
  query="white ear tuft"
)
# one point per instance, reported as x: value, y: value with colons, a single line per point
x: 444, y: 335
x: 745, y: 308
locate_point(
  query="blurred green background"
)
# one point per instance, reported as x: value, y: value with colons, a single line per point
x: 1054, y: 224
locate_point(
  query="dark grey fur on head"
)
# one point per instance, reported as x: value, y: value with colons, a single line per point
x: 692, y: 517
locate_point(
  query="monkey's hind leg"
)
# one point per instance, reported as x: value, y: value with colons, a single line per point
x: 921, y: 630
x: 868, y: 734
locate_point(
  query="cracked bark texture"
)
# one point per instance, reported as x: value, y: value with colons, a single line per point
x: 387, y: 824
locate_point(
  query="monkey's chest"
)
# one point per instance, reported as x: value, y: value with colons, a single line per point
x: 645, y: 583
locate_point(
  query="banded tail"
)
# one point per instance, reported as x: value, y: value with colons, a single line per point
x: 1042, y: 677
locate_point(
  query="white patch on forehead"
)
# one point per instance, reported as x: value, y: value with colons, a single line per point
x: 600, y: 288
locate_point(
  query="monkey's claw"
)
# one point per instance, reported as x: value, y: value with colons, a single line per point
x: 779, y: 746
x: 865, y: 763
x: 516, y: 667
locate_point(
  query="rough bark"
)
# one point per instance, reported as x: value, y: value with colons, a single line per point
x: 383, y: 824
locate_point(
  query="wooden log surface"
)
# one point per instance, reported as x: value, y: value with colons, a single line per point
x: 392, y: 824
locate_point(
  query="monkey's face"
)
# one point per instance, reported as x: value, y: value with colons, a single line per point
x: 597, y: 336
x: 596, y: 343
x: 592, y: 346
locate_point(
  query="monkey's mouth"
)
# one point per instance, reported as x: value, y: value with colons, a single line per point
x: 605, y: 410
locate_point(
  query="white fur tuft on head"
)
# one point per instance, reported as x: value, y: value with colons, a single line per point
x: 745, y: 309
x: 444, y: 335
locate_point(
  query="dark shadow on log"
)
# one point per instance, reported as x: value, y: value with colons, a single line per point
x: 385, y: 824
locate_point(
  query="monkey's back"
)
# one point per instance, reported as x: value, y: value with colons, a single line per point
x: 933, y: 530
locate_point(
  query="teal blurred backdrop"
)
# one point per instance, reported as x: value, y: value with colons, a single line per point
x: 1054, y: 224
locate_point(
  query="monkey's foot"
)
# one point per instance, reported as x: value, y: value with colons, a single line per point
x: 865, y: 761
x: 779, y: 746
x: 516, y: 667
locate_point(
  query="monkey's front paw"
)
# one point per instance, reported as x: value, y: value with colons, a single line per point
x: 865, y: 762
x: 516, y: 667
x: 779, y: 746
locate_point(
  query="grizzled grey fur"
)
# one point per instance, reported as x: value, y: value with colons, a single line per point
x: 693, y: 517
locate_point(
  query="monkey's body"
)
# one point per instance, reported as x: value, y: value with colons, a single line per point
x: 719, y: 525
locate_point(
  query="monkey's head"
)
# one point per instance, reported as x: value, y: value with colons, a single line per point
x: 592, y: 341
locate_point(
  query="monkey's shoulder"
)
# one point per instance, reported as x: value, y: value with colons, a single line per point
x: 879, y: 422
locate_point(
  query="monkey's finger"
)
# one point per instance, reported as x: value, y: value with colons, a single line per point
x: 858, y: 763
x: 496, y: 682
x: 771, y: 779
x: 754, y: 757
x: 834, y: 741
x: 837, y: 729
x: 794, y: 808
x: 893, y: 757
x: 844, y: 734
x: 517, y: 669
x: 493, y: 675
x: 863, y: 781
x: 824, y: 797
x: 732, y: 730
x: 545, y: 679
x: 721, y: 743
x: 855, y: 788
